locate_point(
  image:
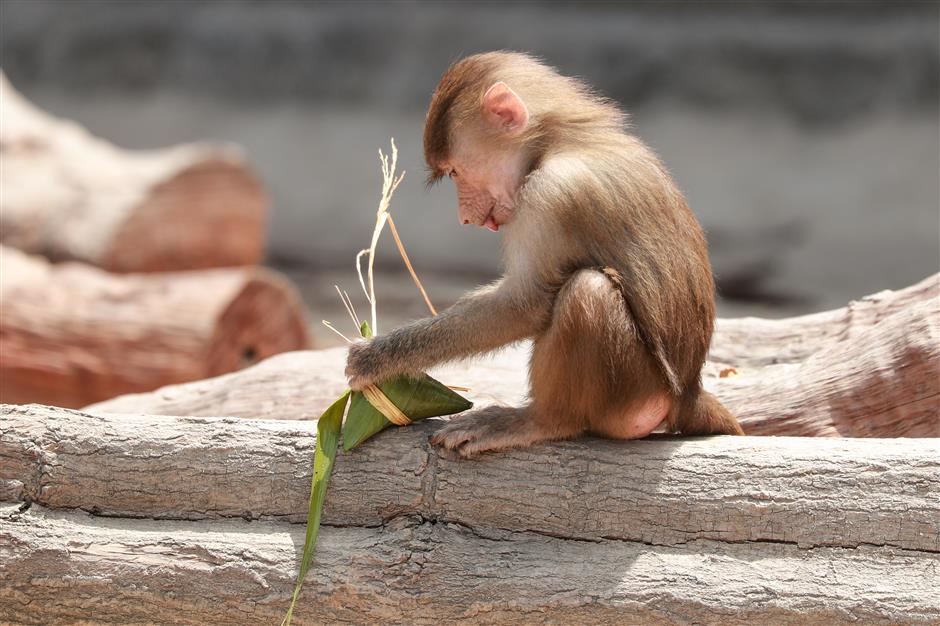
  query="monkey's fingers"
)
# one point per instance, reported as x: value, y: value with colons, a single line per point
x: 451, y: 437
x: 357, y: 382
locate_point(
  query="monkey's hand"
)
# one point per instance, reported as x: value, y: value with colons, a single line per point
x: 372, y: 362
x: 362, y: 365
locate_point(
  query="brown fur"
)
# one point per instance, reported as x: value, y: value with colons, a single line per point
x: 606, y: 269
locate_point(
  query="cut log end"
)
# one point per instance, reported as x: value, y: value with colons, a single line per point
x: 264, y: 318
x: 209, y: 214
x: 129, y: 333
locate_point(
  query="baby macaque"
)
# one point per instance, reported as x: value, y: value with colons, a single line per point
x: 606, y: 268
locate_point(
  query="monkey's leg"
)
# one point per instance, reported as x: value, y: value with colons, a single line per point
x: 591, y: 370
x: 489, y: 428
x: 556, y: 378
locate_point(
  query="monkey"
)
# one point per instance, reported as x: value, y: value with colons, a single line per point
x: 606, y: 268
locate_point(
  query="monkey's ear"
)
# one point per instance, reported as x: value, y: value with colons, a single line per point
x: 504, y: 110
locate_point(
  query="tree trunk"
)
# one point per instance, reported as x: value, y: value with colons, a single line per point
x: 882, y: 380
x: 70, y: 196
x: 722, y: 530
x: 72, y: 334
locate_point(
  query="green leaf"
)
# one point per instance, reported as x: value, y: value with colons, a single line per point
x: 365, y: 330
x: 328, y: 429
x: 417, y: 398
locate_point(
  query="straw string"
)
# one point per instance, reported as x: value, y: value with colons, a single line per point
x: 386, y: 407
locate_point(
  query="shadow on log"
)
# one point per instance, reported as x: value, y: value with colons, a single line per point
x: 659, y: 531
x: 71, y: 334
x: 871, y: 374
x: 70, y: 196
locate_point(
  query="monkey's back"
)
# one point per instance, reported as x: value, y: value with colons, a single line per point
x: 619, y: 208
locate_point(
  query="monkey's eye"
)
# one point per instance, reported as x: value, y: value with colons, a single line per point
x: 452, y: 173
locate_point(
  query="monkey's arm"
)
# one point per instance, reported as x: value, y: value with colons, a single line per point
x: 485, y: 320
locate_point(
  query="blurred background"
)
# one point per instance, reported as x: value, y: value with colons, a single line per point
x: 805, y: 135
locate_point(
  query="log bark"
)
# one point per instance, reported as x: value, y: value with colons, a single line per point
x: 666, y: 490
x: 72, y: 567
x: 662, y: 531
x: 71, y: 334
x: 751, y: 341
x: 71, y: 196
x: 879, y: 378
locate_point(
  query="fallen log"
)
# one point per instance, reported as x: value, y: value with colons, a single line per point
x: 71, y: 196
x: 67, y: 567
x: 663, y: 491
x: 662, y: 531
x: 751, y: 341
x: 883, y: 381
x: 71, y: 334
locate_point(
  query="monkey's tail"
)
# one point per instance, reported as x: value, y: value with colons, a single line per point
x: 701, y: 413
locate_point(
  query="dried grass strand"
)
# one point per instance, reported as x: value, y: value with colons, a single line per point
x: 353, y: 309
x: 344, y: 298
x: 411, y: 270
x: 362, y: 282
x: 335, y: 330
x: 386, y: 407
x: 389, y: 184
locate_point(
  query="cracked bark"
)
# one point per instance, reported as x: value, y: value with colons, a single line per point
x: 663, y: 491
x: 722, y: 530
x: 63, y: 567
x: 868, y: 370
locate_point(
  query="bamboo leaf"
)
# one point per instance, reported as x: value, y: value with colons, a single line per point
x: 417, y: 398
x: 328, y: 429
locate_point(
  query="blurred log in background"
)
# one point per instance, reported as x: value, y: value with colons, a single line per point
x: 70, y: 196
x: 71, y: 334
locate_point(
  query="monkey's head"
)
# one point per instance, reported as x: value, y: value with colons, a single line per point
x: 471, y: 136
x: 478, y: 132
x: 491, y: 120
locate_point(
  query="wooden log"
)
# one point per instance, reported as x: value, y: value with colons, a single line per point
x: 883, y: 381
x: 67, y: 567
x: 724, y: 530
x: 663, y: 491
x: 71, y: 334
x: 71, y: 196
x: 751, y: 341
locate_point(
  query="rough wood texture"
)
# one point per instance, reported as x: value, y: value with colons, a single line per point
x: 64, y: 567
x: 71, y: 334
x: 665, y: 531
x: 751, y: 341
x: 883, y: 380
x: 70, y: 196
x: 664, y: 491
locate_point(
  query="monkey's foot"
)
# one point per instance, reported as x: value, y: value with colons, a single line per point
x: 487, y: 429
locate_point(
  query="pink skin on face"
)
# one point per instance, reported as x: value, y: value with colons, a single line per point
x: 486, y: 184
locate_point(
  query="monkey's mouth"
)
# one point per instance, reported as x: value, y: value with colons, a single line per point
x: 490, y: 221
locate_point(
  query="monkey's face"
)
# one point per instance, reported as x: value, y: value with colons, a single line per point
x: 487, y: 180
x: 486, y: 159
